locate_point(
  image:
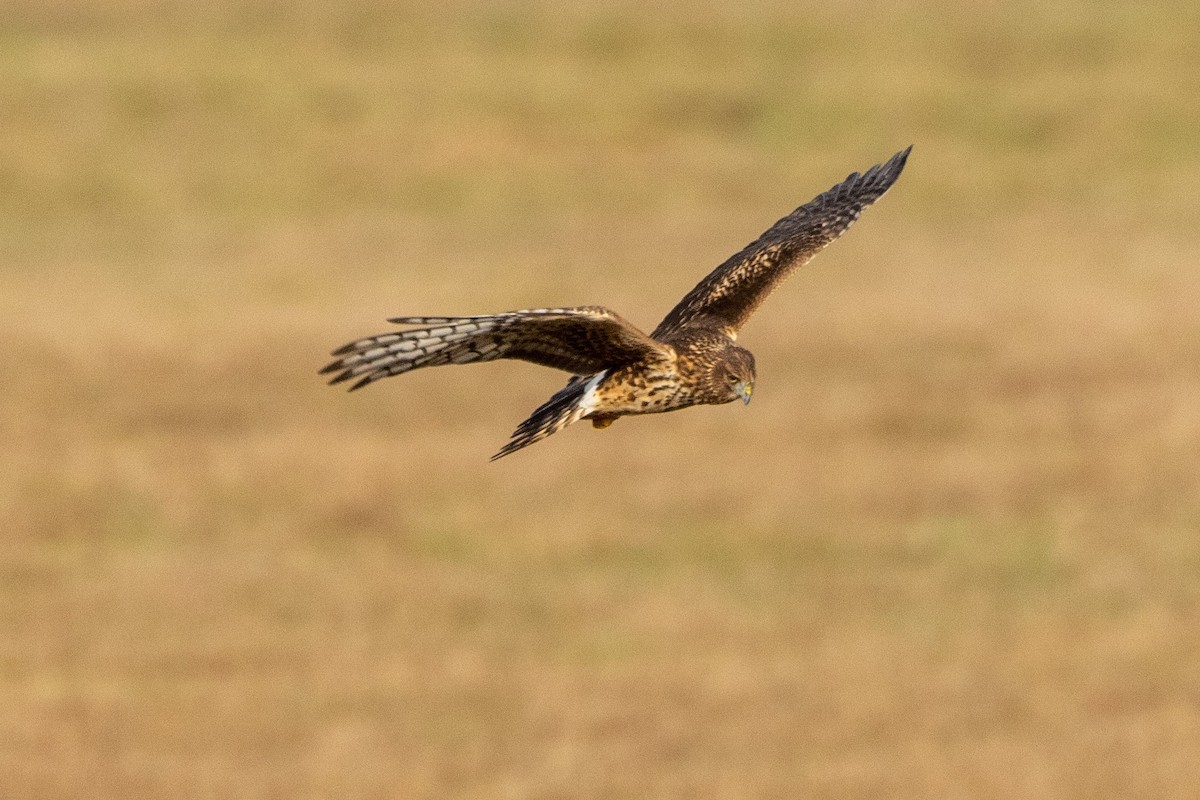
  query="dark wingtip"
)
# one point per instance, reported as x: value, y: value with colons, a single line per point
x: 895, y: 164
x: 882, y: 176
x: 507, y: 450
x: 346, y: 375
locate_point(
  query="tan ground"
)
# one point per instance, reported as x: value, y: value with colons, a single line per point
x: 952, y: 549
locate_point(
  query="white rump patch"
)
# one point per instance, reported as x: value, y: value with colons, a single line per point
x: 588, y: 402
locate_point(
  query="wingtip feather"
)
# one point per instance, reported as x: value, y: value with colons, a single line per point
x: 363, y: 382
x: 895, y: 164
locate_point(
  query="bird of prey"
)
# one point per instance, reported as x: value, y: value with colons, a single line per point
x: 689, y: 359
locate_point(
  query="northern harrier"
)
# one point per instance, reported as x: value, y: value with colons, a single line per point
x: 689, y: 359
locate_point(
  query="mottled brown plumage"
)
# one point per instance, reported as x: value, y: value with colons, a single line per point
x: 690, y: 358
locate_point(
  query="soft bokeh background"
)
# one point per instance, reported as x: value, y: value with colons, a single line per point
x: 951, y: 550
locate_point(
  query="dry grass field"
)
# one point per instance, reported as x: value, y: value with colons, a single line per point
x: 951, y: 550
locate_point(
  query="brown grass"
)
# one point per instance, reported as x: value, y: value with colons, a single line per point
x: 949, y: 551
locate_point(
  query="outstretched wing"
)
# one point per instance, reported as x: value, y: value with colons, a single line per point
x: 581, y: 340
x: 729, y: 294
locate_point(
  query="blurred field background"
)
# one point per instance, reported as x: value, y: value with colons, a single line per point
x: 950, y: 550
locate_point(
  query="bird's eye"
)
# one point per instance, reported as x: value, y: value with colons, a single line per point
x: 733, y: 378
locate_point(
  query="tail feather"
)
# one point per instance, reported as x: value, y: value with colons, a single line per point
x: 565, y: 407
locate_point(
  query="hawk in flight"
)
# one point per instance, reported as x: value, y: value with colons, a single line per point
x: 689, y: 359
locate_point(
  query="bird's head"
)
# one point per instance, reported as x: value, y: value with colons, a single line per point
x: 734, y: 374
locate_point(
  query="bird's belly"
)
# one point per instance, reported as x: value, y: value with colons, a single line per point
x: 624, y: 398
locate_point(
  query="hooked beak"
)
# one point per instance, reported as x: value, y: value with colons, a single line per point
x: 744, y: 390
